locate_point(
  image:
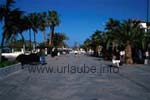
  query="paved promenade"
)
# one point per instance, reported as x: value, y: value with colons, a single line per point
x: 96, y: 81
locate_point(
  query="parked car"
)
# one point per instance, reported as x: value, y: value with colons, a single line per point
x: 6, y: 50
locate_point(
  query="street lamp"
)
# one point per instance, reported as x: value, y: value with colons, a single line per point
x: 148, y: 36
x: 147, y: 11
x: 147, y: 25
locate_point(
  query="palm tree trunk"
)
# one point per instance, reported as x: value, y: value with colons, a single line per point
x: 1, y: 48
x: 23, y: 43
x: 94, y: 51
x: 128, y: 54
x: 51, y: 36
x: 0, y: 54
x: 113, y: 45
x: 14, y: 42
x: 34, y: 40
x: 29, y: 39
x: 44, y: 38
x: 113, y: 49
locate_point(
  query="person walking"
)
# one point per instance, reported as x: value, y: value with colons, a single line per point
x: 146, y: 57
x: 42, y: 56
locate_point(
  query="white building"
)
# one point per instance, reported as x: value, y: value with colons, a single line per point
x: 144, y: 25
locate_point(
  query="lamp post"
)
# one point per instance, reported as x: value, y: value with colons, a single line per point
x: 148, y: 36
x: 147, y: 12
x: 147, y: 25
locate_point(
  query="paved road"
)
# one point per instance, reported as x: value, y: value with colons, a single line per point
x: 130, y: 83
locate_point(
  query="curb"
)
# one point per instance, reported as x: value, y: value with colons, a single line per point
x: 4, y: 72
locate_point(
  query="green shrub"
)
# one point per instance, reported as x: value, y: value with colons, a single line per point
x: 7, y: 63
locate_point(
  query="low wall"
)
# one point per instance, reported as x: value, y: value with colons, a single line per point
x: 4, y: 72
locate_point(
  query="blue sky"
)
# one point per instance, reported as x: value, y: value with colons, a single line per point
x: 80, y: 18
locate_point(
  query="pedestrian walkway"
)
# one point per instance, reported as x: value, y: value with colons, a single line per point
x: 130, y: 82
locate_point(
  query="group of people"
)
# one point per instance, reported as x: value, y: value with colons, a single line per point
x: 118, y: 57
x: 43, y: 51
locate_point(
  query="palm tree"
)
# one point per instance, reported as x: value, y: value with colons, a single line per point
x: 87, y: 44
x: 128, y: 34
x: 112, y: 27
x: 43, y: 25
x: 26, y: 25
x: 33, y: 19
x: 59, y: 39
x: 96, y: 41
x: 131, y: 33
x: 53, y: 21
x: 16, y: 25
x: 10, y: 18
